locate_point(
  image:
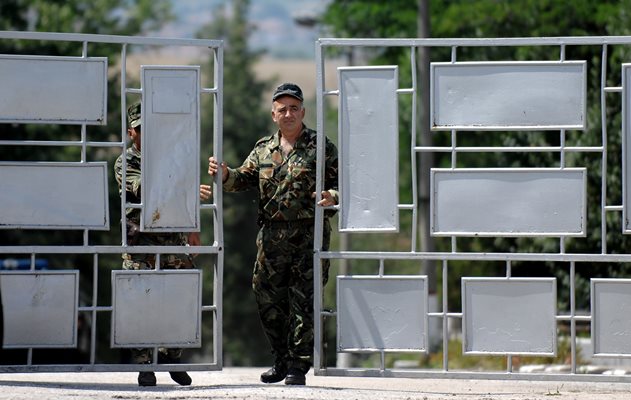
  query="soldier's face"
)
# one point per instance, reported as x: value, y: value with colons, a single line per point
x: 134, y: 135
x: 288, y: 113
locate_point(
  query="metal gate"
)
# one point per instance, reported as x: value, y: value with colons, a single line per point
x: 378, y: 310
x: 382, y: 312
x: 64, y: 302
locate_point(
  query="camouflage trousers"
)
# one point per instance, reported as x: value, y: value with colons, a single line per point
x: 283, y: 286
x: 147, y: 261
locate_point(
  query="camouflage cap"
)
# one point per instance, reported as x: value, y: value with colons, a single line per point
x: 133, y: 115
x: 288, y: 89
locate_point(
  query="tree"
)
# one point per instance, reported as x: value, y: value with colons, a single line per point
x: 245, y: 120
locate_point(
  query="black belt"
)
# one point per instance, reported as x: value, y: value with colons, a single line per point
x: 288, y: 224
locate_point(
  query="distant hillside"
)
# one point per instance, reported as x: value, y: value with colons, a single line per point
x: 300, y: 71
x: 276, y: 30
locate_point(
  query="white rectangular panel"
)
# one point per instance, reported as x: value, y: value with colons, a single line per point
x: 40, y: 308
x: 369, y: 132
x: 170, y: 148
x: 58, y: 90
x: 626, y: 147
x: 382, y: 313
x: 611, y: 317
x: 509, y: 316
x: 53, y: 195
x: 508, y: 95
x: 508, y: 202
x: 156, y: 308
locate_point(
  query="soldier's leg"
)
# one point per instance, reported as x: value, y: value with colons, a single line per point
x: 269, y: 282
x: 173, y: 356
x: 140, y: 356
x: 301, y: 339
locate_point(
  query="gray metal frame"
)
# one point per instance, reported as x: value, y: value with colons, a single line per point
x: 626, y: 144
x: 445, y: 314
x: 214, y: 207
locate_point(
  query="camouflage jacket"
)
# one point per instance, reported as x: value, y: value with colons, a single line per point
x: 132, y: 186
x: 132, y: 181
x: 285, y: 184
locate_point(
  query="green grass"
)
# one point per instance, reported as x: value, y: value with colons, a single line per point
x: 458, y: 361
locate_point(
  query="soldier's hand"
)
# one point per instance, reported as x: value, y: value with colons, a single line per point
x: 205, y: 192
x: 194, y: 239
x: 213, y: 168
x: 327, y: 198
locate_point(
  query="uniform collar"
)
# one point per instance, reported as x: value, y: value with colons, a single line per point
x: 133, y: 150
x: 299, y: 143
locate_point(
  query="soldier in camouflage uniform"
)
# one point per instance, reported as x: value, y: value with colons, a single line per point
x: 135, y: 261
x: 282, y: 167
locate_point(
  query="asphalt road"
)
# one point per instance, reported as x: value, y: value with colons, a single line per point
x: 243, y: 383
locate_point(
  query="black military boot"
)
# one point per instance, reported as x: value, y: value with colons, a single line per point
x: 295, y: 376
x: 275, y: 374
x: 180, y: 377
x: 146, y: 378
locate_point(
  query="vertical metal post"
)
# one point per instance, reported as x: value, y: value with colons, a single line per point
x: 573, y: 315
x: 123, y: 193
x: 445, y: 320
x: 95, y: 293
x: 319, y: 213
x: 344, y: 360
x: 509, y: 358
x: 413, y: 155
x: 603, y: 167
x: 218, y: 211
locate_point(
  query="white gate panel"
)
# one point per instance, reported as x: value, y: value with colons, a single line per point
x: 611, y: 317
x: 60, y: 90
x: 509, y: 316
x: 40, y: 308
x: 508, y: 95
x: 508, y: 202
x: 382, y: 313
x: 369, y: 132
x: 170, y: 148
x: 156, y: 308
x: 53, y: 195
